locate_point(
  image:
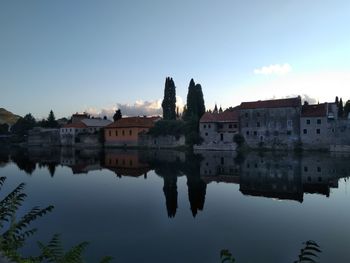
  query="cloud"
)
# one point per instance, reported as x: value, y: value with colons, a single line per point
x: 275, y: 69
x: 138, y: 108
x: 321, y: 86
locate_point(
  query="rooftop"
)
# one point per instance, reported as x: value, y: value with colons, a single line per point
x: 280, y: 103
x: 226, y: 116
x: 77, y: 125
x: 96, y: 122
x: 134, y: 122
x: 317, y: 110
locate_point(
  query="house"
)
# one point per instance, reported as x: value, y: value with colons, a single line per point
x: 126, y: 131
x: 77, y: 117
x: 217, y: 129
x: 271, y: 123
x: 69, y: 132
x: 85, y: 131
x: 315, y: 121
x: 43, y: 137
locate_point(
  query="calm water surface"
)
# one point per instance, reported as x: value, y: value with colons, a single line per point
x: 167, y: 206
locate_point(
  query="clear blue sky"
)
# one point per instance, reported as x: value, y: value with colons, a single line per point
x: 73, y: 55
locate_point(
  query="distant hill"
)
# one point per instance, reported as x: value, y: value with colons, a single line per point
x: 8, y: 117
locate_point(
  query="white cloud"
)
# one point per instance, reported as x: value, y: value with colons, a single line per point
x: 315, y: 87
x: 276, y: 69
x: 138, y: 108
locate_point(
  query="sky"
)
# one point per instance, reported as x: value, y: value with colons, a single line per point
x: 96, y: 56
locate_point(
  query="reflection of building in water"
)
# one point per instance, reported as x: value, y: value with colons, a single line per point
x: 282, y: 176
x: 80, y: 160
x: 321, y: 172
x: 126, y: 163
x: 219, y: 166
x: 273, y: 176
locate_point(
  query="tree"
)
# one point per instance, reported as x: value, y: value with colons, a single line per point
x: 169, y: 101
x: 195, y: 101
x: 347, y: 109
x: 215, y: 109
x: 117, y: 115
x: 337, y: 100
x: 23, y: 125
x: 4, y: 128
x: 51, y: 121
x: 340, y: 108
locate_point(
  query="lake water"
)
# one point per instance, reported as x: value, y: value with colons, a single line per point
x: 168, y: 206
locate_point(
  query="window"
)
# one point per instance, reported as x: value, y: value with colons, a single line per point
x: 116, y: 133
x: 206, y: 134
x: 318, y: 131
x: 221, y: 137
x: 333, y: 130
x: 319, y: 121
x: 130, y: 132
x: 318, y: 169
x: 255, y: 133
x: 258, y: 114
x: 258, y: 124
x: 247, y: 132
x: 247, y: 124
x: 110, y: 133
x: 289, y: 132
x: 246, y: 114
x: 204, y: 126
x: 230, y: 126
x: 305, y: 169
x: 123, y: 132
x: 209, y: 126
x: 320, y: 179
x: 220, y: 126
x: 235, y: 126
x: 305, y: 131
x: 289, y: 124
x: 308, y: 122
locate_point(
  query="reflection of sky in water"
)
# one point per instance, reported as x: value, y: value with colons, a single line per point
x: 127, y: 218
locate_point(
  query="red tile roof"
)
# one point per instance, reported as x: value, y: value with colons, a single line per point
x: 281, y: 103
x: 226, y: 116
x: 134, y: 122
x: 317, y: 110
x: 77, y: 125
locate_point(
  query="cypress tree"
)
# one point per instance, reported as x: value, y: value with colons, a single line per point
x: 51, y: 120
x: 169, y: 101
x: 199, y: 101
x: 347, y: 109
x: 340, y: 108
x: 337, y: 100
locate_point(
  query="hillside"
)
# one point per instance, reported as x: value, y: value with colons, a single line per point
x: 7, y: 117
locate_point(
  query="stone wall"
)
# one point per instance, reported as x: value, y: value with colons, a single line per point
x: 161, y: 141
x: 271, y: 127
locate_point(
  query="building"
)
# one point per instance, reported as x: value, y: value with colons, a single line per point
x: 126, y: 131
x: 217, y: 129
x: 85, y: 131
x: 77, y: 117
x: 317, y: 125
x: 43, y: 137
x: 271, y: 123
x: 69, y: 132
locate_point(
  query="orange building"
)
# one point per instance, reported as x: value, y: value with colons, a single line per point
x: 126, y: 131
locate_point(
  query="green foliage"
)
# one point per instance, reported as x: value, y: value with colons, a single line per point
x: 309, y: 253
x: 340, y: 108
x: 238, y: 139
x: 117, y: 115
x: 16, y: 232
x: 169, y: 101
x: 23, y: 125
x: 4, y: 128
x: 195, y: 101
x: 347, y: 109
x: 168, y: 127
x: 192, y: 131
x: 226, y: 256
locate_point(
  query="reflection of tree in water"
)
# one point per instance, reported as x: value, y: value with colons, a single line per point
x: 169, y: 171
x: 196, y: 186
x: 21, y: 159
x: 51, y: 167
x: 4, y: 157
